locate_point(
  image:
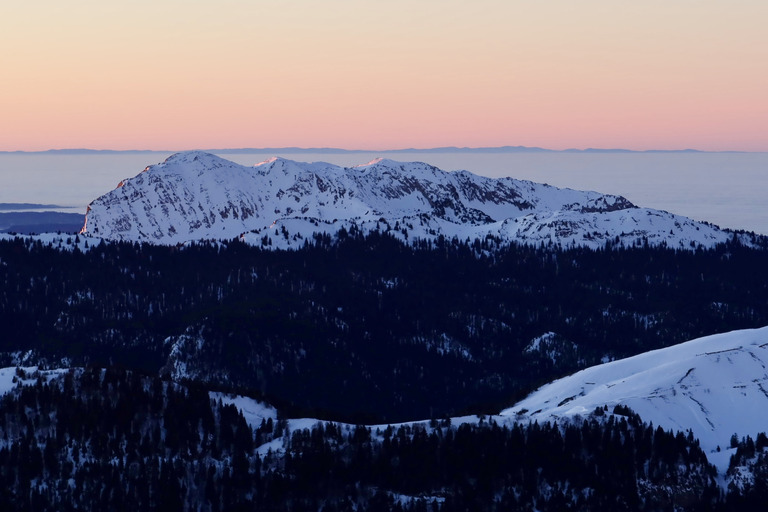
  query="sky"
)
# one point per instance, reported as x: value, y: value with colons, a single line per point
x: 363, y: 74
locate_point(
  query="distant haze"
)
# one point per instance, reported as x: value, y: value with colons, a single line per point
x: 167, y: 74
x: 727, y: 189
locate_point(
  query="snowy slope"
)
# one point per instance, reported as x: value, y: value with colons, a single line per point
x: 13, y: 377
x: 716, y: 386
x: 253, y: 410
x: 195, y: 196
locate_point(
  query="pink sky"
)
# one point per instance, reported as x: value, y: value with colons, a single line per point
x: 364, y: 74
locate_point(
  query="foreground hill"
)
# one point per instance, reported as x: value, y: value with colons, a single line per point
x: 108, y: 439
x: 716, y: 386
x: 196, y: 196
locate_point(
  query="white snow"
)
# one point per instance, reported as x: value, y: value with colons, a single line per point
x: 10, y: 379
x: 715, y: 386
x: 549, y: 345
x: 58, y: 241
x: 253, y: 410
x: 199, y: 196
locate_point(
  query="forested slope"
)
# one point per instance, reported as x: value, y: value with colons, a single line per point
x: 368, y: 328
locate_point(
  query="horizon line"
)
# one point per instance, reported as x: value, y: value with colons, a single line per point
x: 439, y: 149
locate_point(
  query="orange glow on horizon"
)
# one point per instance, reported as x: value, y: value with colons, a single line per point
x: 174, y: 75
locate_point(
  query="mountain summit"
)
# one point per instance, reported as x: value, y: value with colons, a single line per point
x: 198, y: 196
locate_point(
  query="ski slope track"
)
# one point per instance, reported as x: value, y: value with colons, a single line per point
x: 715, y: 386
x: 199, y: 196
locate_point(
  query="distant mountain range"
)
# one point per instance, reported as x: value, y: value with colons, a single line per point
x: 21, y: 220
x: 445, y: 149
x: 282, y: 203
x: 15, y: 207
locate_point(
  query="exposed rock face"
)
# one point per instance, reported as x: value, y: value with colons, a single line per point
x: 197, y: 196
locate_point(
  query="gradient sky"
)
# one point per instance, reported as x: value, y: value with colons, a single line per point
x: 173, y: 74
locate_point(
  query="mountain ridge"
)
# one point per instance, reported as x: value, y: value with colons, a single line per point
x: 196, y: 195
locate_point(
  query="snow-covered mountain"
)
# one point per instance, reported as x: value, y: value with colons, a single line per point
x: 715, y: 386
x: 196, y: 195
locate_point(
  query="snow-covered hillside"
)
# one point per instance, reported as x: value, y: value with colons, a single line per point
x: 197, y: 196
x: 715, y: 386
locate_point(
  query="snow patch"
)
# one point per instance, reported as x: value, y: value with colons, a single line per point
x: 253, y: 411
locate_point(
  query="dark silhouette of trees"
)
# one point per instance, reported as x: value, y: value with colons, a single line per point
x: 95, y: 439
x: 392, y: 331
